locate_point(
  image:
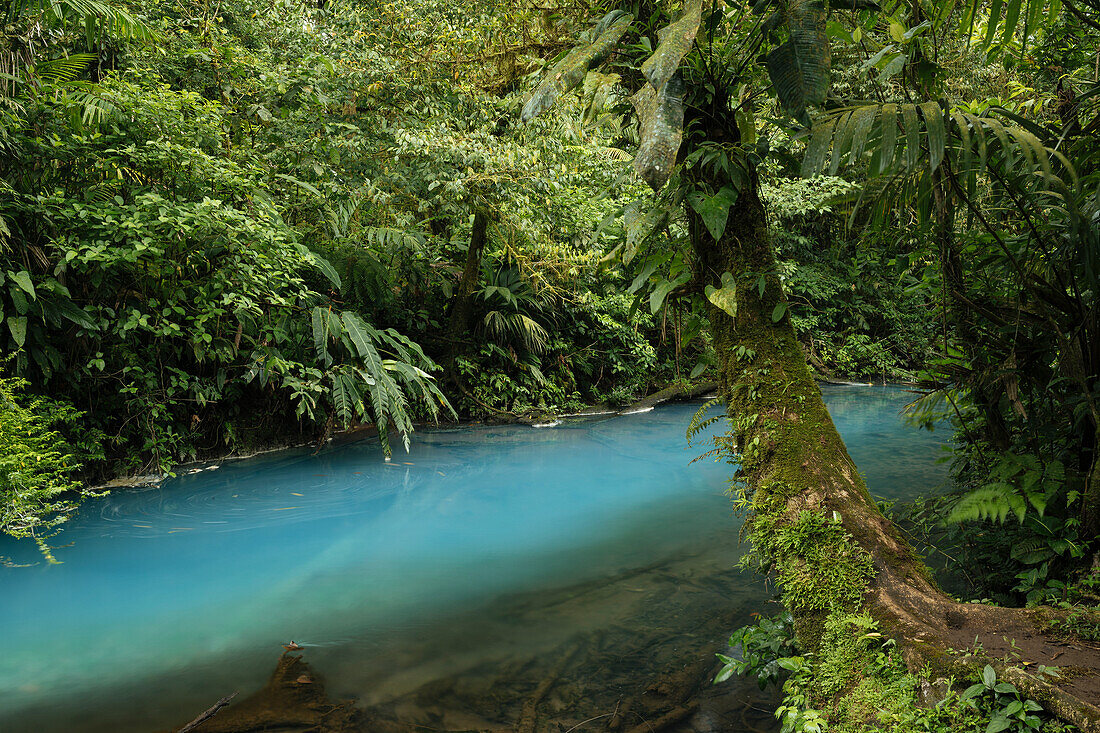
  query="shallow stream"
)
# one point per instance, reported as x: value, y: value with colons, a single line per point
x: 435, y: 588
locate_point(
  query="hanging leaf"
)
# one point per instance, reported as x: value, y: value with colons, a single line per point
x: 23, y: 280
x: 714, y: 210
x: 657, y: 297
x: 860, y: 123
x: 61, y: 307
x: 933, y: 122
x: 724, y: 298
x: 323, y: 266
x: 661, y: 119
x: 778, y: 312
x: 854, y: 5
x: 889, y: 122
x: 571, y: 70
x: 321, y: 334
x: 675, y: 41
x: 911, y: 124
x: 814, y: 158
x: 640, y: 227
x: 799, y: 68
x: 18, y: 327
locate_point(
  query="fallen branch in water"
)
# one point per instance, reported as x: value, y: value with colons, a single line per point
x: 528, y: 715
x: 672, y: 716
x: 210, y: 713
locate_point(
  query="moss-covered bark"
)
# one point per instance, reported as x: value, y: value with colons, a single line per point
x: 812, y: 520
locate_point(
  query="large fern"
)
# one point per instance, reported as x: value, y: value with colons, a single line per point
x: 371, y: 373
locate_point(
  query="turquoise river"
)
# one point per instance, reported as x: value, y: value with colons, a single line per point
x: 421, y: 587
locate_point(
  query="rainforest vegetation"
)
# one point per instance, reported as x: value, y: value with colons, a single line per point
x: 227, y: 225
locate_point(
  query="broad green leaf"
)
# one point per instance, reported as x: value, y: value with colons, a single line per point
x: 995, y: 7
x: 778, y: 312
x: 1007, y: 149
x: 889, y: 123
x: 973, y: 691
x: 23, y: 280
x: 657, y: 297
x: 726, y: 672
x: 360, y: 335
x: 989, y: 676
x: 714, y: 210
x: 746, y: 126
x: 298, y: 182
x: 571, y: 70
x: 1012, y: 15
x: 911, y: 123
x: 876, y: 61
x: 675, y: 41
x: 60, y: 306
x: 814, y: 159
x: 18, y: 327
x: 724, y: 298
x: 841, y: 141
x: 326, y: 269
x: 963, y: 126
x: 799, y: 68
x: 933, y: 122
x: 861, y: 121
x: 320, y: 333
x: 641, y: 278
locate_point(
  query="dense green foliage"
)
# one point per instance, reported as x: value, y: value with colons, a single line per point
x: 222, y: 228
x: 38, y: 485
x: 235, y: 225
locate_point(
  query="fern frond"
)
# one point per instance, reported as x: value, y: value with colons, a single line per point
x: 63, y: 70
x: 700, y: 421
x: 99, y: 19
x: 993, y: 502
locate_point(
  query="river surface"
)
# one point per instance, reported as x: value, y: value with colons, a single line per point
x: 482, y: 549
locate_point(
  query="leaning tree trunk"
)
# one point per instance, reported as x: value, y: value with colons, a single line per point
x: 813, y: 520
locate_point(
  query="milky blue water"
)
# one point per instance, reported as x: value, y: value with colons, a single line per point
x: 168, y: 597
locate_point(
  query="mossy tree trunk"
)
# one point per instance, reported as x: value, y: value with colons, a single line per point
x: 812, y: 520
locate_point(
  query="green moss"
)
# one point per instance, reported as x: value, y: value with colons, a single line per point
x: 845, y: 652
x: 818, y: 565
x: 875, y: 704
